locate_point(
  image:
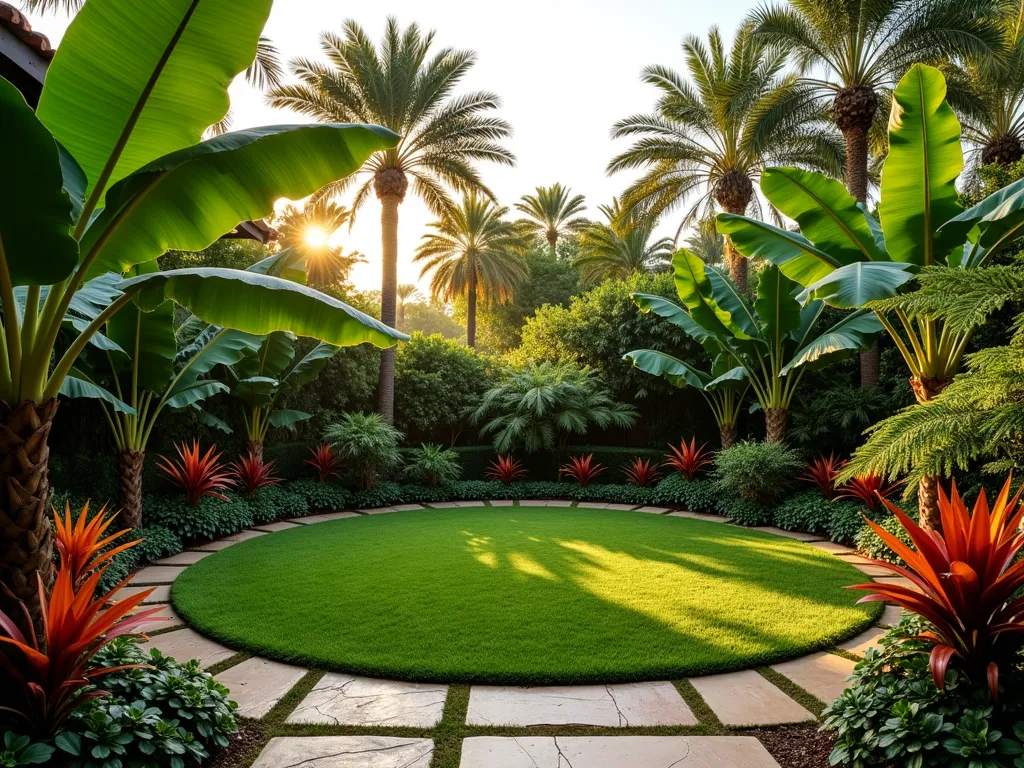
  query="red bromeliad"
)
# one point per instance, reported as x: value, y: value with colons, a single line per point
x: 640, y: 472
x: 252, y: 473
x: 582, y: 469
x: 688, y: 460
x: 80, y: 544
x: 506, y: 469
x: 822, y: 472
x: 967, y: 583
x: 871, y: 489
x: 196, y: 475
x: 324, y: 461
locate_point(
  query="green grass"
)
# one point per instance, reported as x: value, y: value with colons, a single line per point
x: 523, y: 595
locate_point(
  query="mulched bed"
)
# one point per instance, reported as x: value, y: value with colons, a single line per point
x: 796, y: 746
x: 243, y: 747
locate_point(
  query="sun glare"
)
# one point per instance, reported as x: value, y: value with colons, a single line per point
x: 316, y: 236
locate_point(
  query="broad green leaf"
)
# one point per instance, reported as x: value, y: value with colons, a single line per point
x: 790, y: 251
x: 991, y: 224
x: 675, y: 371
x: 672, y: 312
x: 777, y: 309
x: 695, y: 291
x: 210, y: 420
x: 190, y: 198
x: 167, y: 63
x: 848, y: 336
x: 287, y: 419
x: 148, y: 338
x: 876, y: 229
x: 288, y: 263
x: 95, y: 295
x: 75, y: 387
x: 309, y: 366
x: 272, y: 358
x: 196, y: 392
x: 260, y: 304
x: 919, y: 176
x: 35, y: 211
x: 257, y: 391
x: 855, y: 285
x: 734, y: 378
x: 730, y: 299
x: 828, y: 215
x: 215, y: 346
x: 98, y: 340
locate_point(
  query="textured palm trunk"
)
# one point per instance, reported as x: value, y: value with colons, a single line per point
x: 737, y: 266
x: 401, y: 317
x: 727, y: 435
x: 775, y: 422
x: 734, y: 193
x: 26, y: 542
x: 925, y: 390
x: 552, y: 238
x: 129, y: 476
x: 388, y: 302
x: 471, y: 311
x: 255, y: 449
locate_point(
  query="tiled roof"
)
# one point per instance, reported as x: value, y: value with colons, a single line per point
x: 14, y: 20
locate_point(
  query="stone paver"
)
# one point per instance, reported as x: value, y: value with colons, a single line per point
x: 632, y: 704
x: 821, y: 674
x: 348, y: 700
x: 377, y: 510
x: 798, y: 535
x: 246, y: 535
x: 746, y: 698
x: 280, y: 525
x: 561, y: 503
x: 831, y: 546
x: 872, y: 570
x: 710, y: 518
x: 183, y: 558
x: 157, y: 574
x: 684, y: 513
x: 408, y: 507
x: 502, y: 503
x: 466, y: 504
x: 215, y: 546
x: 165, y: 618
x: 899, y: 580
x: 891, y: 616
x: 859, y: 644
x: 324, y: 518
x: 615, y: 752
x: 257, y: 684
x: 160, y: 594
x: 621, y: 507
x: 346, y: 752
x: 854, y: 559
x: 532, y: 502
x: 186, y: 644
x: 591, y: 505
x: 655, y: 510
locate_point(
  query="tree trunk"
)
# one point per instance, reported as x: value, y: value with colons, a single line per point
x: 471, y: 311
x: 737, y: 266
x: 727, y: 434
x: 552, y: 238
x: 926, y: 390
x: 856, y: 139
x: 26, y: 542
x: 129, y: 475
x: 401, y: 317
x: 255, y: 449
x: 775, y: 421
x: 870, y: 362
x: 388, y: 301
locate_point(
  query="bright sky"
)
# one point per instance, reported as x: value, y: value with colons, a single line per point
x: 565, y: 70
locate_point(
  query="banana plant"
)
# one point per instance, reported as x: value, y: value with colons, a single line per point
x: 770, y: 342
x: 108, y: 173
x: 844, y: 256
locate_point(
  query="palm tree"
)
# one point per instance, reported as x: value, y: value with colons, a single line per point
x: 404, y: 87
x: 621, y: 247
x: 474, y: 252
x: 707, y: 243
x: 714, y: 137
x: 407, y: 293
x: 309, y: 231
x: 553, y: 213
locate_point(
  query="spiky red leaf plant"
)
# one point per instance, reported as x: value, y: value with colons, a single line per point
x: 82, y: 544
x: 968, y: 583
x: 822, y: 472
x: 196, y: 475
x: 582, y: 469
x: 324, y: 462
x: 640, y: 472
x: 506, y: 469
x: 871, y: 489
x: 689, y: 460
x: 251, y: 473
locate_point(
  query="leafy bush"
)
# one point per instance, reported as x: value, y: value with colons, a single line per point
x: 807, y: 511
x: 21, y: 750
x: 847, y: 521
x: 700, y: 495
x: 321, y: 496
x: 432, y: 465
x: 276, y: 502
x: 209, y: 519
x: 749, y: 513
x: 870, y: 544
x: 368, y: 443
x: 757, y: 472
x: 380, y: 495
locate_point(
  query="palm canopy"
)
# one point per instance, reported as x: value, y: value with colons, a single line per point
x: 553, y: 212
x: 621, y: 247
x: 407, y: 88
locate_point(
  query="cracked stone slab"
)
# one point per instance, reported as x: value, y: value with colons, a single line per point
x: 655, y: 510
x: 160, y: 594
x: 376, y: 510
x: 257, y: 684
x: 502, y: 503
x: 157, y: 574
x: 621, y: 507
x: 187, y: 644
x: 246, y: 535
x: 831, y: 546
x: 532, y: 502
x: 591, y: 505
x: 561, y: 503
x: 615, y: 752
x: 408, y: 507
x: 215, y: 546
x: 282, y: 525
x: 822, y: 675
x: 345, y: 752
x: 183, y: 558
x: 349, y: 700
x: 467, y: 504
x: 746, y: 698
x: 614, y: 706
x: 165, y: 618
x: 859, y: 644
x: 798, y: 535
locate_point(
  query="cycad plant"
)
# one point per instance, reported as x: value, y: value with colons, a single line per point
x: 405, y: 85
x: 621, y: 247
x: 473, y: 251
x: 553, y: 212
x: 706, y: 144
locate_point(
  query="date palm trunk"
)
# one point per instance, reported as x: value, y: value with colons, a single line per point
x: 390, y: 185
x: 727, y: 435
x: 734, y: 192
x: 129, y: 477
x: 471, y: 310
x: 775, y: 422
x: 255, y: 449
x: 26, y: 542
x: 925, y: 390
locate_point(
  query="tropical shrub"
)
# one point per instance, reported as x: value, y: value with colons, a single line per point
x: 368, y: 444
x: 870, y: 489
x: 321, y: 497
x: 210, y: 518
x: 746, y: 512
x: 21, y: 750
x: 823, y: 472
x: 251, y: 473
x: 582, y: 469
x: 640, y: 472
x: 324, y: 462
x: 506, y: 469
x: 757, y: 472
x: 847, y: 521
x: 807, y: 511
x: 197, y: 476
x: 276, y: 502
x: 689, y: 460
x: 698, y: 495
x: 432, y: 465
x: 871, y: 545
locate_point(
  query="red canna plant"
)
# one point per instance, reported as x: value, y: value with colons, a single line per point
x: 324, y: 461
x: 640, y: 472
x: 969, y: 580
x: 822, y: 472
x: 582, y: 469
x: 251, y: 473
x: 80, y: 544
x: 196, y: 475
x: 688, y: 460
x: 871, y: 489
x: 506, y: 469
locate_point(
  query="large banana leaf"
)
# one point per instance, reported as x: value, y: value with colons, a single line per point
x: 287, y: 418
x: 35, y: 211
x: 850, y: 335
x: 288, y: 263
x: 195, y: 392
x: 74, y: 386
x: 733, y: 378
x: 854, y: 285
x: 995, y: 221
x: 790, y: 251
x: 260, y: 304
x: 257, y: 391
x: 308, y: 367
x: 273, y: 357
x: 189, y: 198
x: 668, y: 309
x: 919, y: 176
x: 674, y: 370
x: 828, y: 215
x: 148, y: 338
x: 729, y: 298
x: 153, y: 75
x: 778, y: 311
x: 696, y: 293
x: 214, y: 346
x: 94, y: 296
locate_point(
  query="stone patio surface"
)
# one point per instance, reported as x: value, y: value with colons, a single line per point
x: 346, y: 752
x: 349, y: 700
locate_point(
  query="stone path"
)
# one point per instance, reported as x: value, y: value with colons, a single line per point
x: 736, y: 699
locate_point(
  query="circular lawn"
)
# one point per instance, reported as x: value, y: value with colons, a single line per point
x: 523, y: 595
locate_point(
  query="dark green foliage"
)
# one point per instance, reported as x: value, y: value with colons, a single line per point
x: 808, y: 511
x: 476, y: 460
x: 870, y: 545
x: 274, y: 502
x: 748, y: 513
x: 289, y: 459
x: 697, y: 495
x: 421, y: 317
x: 431, y: 465
x: 320, y: 497
x: 380, y: 495
x: 833, y: 418
x: 21, y: 750
x: 846, y: 522
x: 757, y: 472
x: 210, y: 519
x: 89, y: 474
x: 368, y: 446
